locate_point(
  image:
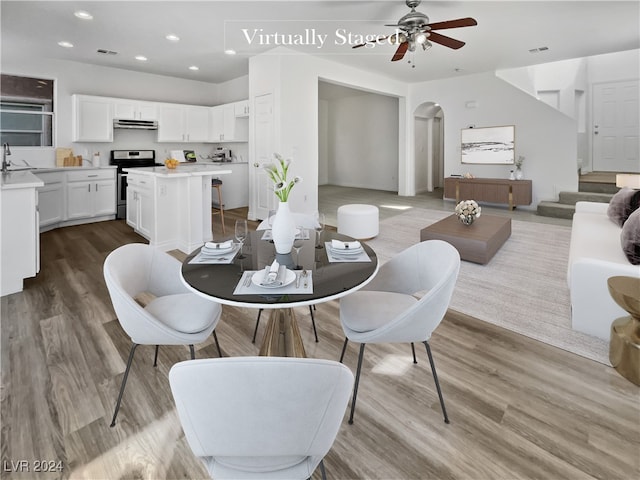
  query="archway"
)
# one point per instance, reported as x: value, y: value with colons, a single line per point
x: 429, y: 147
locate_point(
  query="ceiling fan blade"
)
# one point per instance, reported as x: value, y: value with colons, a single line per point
x: 446, y: 41
x: 459, y: 22
x: 402, y: 49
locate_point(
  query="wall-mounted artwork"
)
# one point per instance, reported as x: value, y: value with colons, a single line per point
x: 488, y: 145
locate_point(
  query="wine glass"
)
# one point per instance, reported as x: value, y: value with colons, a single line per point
x: 320, y: 221
x: 241, y: 232
x: 297, y: 245
x: 270, y: 219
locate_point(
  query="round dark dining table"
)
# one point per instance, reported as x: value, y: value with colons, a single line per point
x: 330, y: 280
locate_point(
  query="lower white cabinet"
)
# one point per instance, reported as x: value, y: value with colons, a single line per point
x: 140, y: 204
x: 71, y: 197
x: 91, y: 194
x: 51, y: 199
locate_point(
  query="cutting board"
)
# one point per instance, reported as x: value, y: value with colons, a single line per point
x: 66, y: 158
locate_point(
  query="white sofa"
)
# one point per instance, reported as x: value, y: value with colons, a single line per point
x: 595, y: 255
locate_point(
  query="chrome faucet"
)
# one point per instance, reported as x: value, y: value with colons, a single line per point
x: 5, y: 152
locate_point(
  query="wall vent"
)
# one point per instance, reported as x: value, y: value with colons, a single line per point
x: 106, y: 52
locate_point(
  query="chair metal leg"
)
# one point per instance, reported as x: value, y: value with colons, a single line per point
x: 344, y: 348
x: 215, y: 338
x: 124, y: 382
x: 355, y: 387
x: 155, y: 357
x: 435, y: 378
x: 322, y: 470
x: 313, y: 322
x: 255, y: 331
x: 413, y: 350
x: 193, y: 352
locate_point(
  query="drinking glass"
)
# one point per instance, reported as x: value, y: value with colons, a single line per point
x: 320, y: 220
x: 297, y: 245
x: 241, y: 232
x: 270, y: 219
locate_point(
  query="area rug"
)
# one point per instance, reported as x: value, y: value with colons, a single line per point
x: 523, y: 288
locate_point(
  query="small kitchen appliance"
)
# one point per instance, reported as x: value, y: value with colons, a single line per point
x: 222, y: 155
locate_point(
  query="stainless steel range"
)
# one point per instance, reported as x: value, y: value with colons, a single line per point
x: 129, y: 159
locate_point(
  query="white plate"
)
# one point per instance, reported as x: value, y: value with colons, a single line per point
x: 290, y: 277
x: 346, y: 251
x: 216, y: 251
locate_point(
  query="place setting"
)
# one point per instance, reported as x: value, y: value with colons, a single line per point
x: 217, y: 253
x: 275, y: 279
x: 339, y: 251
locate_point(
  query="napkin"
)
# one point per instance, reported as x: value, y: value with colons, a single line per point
x: 271, y: 273
x: 339, y: 245
x: 219, y: 246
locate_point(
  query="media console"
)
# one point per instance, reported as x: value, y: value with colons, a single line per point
x: 491, y: 190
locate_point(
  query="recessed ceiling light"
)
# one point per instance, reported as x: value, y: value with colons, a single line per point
x: 172, y: 38
x: 65, y: 44
x: 83, y: 15
x: 230, y: 51
x: 142, y: 58
x: 193, y: 67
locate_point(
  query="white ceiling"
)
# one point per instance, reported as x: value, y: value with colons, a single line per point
x: 505, y: 33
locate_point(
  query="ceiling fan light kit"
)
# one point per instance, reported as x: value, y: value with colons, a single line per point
x: 414, y: 29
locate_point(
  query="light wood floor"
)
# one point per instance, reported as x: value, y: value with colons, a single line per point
x: 518, y: 408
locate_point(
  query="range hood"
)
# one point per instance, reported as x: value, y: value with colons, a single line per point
x: 137, y: 124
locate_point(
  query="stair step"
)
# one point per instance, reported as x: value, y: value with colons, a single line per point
x: 557, y: 210
x: 597, y: 187
x: 570, y: 198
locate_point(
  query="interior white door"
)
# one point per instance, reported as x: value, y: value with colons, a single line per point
x: 616, y: 143
x: 262, y: 198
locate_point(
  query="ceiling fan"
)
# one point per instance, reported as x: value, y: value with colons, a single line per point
x: 414, y: 29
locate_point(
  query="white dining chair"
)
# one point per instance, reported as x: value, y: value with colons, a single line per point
x: 261, y: 417
x: 138, y: 274
x: 301, y: 220
x: 405, y: 302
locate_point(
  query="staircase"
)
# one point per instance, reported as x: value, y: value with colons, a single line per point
x: 592, y: 187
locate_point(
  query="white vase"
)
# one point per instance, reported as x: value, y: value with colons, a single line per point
x: 519, y: 174
x: 283, y: 230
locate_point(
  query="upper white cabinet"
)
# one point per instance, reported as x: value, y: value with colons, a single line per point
x: 183, y: 123
x: 134, y: 110
x: 229, y: 122
x: 241, y: 108
x: 92, y: 118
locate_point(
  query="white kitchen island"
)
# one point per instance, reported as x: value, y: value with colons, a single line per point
x: 20, y: 236
x: 172, y: 208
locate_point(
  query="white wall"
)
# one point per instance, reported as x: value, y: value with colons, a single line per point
x: 296, y: 110
x: 73, y: 77
x: 362, y: 142
x: 544, y: 136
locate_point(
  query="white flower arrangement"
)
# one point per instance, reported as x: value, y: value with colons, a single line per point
x: 468, y: 208
x: 519, y: 161
x: 277, y: 172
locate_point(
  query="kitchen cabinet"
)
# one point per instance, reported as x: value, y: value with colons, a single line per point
x: 91, y: 193
x: 226, y: 126
x: 241, y: 108
x: 141, y: 205
x: 183, y: 123
x: 92, y: 118
x: 19, y: 235
x: 51, y: 199
x: 134, y: 110
x: 235, y: 186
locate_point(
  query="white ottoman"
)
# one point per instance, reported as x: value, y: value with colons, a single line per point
x: 358, y: 220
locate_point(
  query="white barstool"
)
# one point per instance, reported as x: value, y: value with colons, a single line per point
x: 358, y: 220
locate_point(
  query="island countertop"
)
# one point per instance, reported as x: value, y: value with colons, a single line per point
x: 181, y: 171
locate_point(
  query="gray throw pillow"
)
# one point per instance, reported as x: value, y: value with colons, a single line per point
x: 623, y: 204
x: 630, y: 238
